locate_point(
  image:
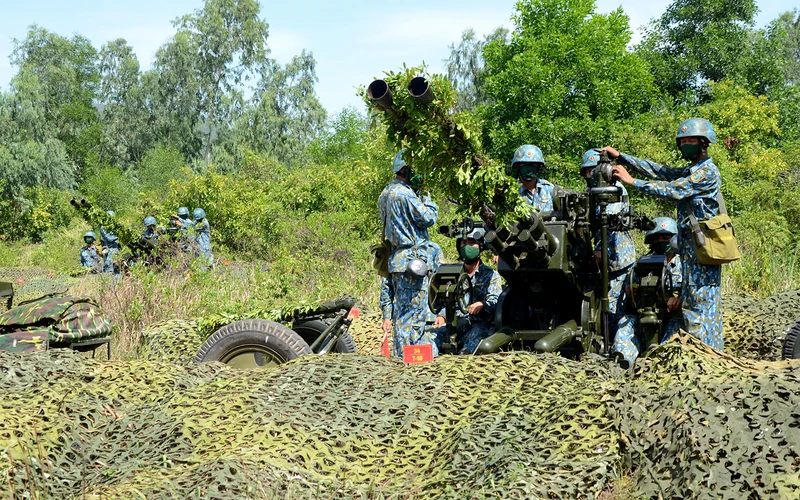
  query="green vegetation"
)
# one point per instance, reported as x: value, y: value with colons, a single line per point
x: 291, y: 192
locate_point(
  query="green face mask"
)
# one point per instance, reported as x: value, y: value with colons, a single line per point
x: 416, y: 181
x: 661, y: 248
x: 690, y: 151
x: 469, y: 253
x: 528, y: 171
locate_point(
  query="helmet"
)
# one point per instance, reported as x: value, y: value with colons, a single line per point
x: 183, y: 212
x: 199, y: 214
x: 399, y: 162
x: 476, y: 234
x: 697, y: 127
x: 90, y: 234
x: 150, y: 221
x: 664, y: 225
x: 110, y: 213
x: 590, y: 159
x: 527, y: 153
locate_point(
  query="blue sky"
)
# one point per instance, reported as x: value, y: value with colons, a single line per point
x: 353, y: 42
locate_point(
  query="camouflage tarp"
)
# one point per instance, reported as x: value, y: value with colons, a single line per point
x: 62, y: 320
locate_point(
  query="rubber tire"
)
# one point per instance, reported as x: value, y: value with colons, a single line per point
x: 284, y: 342
x: 310, y: 330
x: 791, y: 344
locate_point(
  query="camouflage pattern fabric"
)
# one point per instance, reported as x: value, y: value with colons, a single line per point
x: 66, y: 318
x: 406, y: 218
x: 621, y: 248
x: 542, y: 199
x: 203, y: 240
x: 111, y: 243
x: 695, y: 188
x: 89, y: 257
x: 755, y: 328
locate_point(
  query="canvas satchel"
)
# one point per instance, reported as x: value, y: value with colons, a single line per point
x: 715, y: 239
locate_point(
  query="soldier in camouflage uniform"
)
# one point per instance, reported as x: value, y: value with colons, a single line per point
x: 406, y: 218
x: 478, y: 322
x: 621, y: 249
x: 696, y: 188
x: 628, y: 341
x: 89, y: 256
x: 527, y: 165
x: 203, y: 235
x: 111, y: 246
x: 183, y: 218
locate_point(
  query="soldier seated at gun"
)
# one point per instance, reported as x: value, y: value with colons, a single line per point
x: 90, y: 259
x: 477, y: 323
x: 646, y: 319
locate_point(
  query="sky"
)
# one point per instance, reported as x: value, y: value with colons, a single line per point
x: 352, y: 42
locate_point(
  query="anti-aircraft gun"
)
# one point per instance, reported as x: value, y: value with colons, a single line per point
x: 557, y: 295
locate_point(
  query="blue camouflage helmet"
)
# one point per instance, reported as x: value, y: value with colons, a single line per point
x: 150, y: 221
x: 590, y: 159
x: 527, y: 153
x: 664, y: 225
x: 399, y: 161
x: 90, y: 234
x: 697, y: 127
x: 476, y: 234
x: 199, y: 214
x: 183, y: 212
x: 110, y: 213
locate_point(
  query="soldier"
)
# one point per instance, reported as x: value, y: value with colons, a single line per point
x: 621, y: 249
x: 150, y: 229
x: 478, y: 322
x: 406, y: 218
x: 111, y: 246
x: 628, y: 340
x: 185, y: 222
x: 203, y: 235
x: 527, y: 165
x: 89, y: 257
x: 696, y: 189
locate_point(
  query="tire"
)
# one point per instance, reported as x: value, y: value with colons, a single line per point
x: 791, y: 344
x: 312, y: 329
x: 252, y: 343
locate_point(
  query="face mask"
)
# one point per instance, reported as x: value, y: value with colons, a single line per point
x: 528, y: 172
x: 661, y: 248
x: 88, y: 241
x: 469, y: 253
x: 416, y: 181
x: 690, y: 151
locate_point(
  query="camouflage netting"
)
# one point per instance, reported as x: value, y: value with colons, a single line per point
x: 32, y: 283
x: 175, y: 340
x: 755, y: 328
x: 686, y: 422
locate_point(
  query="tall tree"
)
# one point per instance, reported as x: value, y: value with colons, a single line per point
x: 562, y: 78
x: 465, y: 67
x: 231, y: 41
x: 68, y: 76
x: 789, y: 25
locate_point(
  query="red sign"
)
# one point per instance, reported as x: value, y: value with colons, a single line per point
x: 418, y: 353
x: 385, y: 346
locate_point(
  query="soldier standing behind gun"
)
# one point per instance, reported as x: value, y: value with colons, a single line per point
x: 406, y: 218
x: 184, y: 219
x: 526, y: 166
x: 203, y: 235
x: 696, y: 189
x: 111, y: 246
x: 89, y: 257
x: 628, y: 341
x: 621, y: 249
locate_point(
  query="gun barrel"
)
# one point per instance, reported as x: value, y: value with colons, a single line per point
x: 380, y: 94
x: 537, y: 230
x: 420, y: 89
x: 561, y: 336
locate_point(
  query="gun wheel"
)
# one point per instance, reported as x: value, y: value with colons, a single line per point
x: 791, y: 344
x: 312, y: 329
x: 252, y: 343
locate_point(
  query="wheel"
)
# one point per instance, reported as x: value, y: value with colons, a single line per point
x: 791, y: 344
x: 310, y: 330
x: 252, y: 343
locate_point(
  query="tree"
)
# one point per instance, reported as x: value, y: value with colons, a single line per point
x: 465, y: 67
x: 230, y: 40
x: 789, y: 25
x: 695, y: 41
x: 562, y: 79
x: 68, y: 77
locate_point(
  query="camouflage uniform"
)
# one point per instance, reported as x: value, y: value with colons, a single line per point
x: 186, y: 224
x: 696, y: 188
x: 628, y: 340
x: 89, y: 257
x: 406, y: 218
x: 486, y: 288
x: 203, y: 240
x: 621, y: 256
x: 111, y: 243
x: 542, y: 199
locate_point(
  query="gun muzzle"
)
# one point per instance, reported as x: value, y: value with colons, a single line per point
x: 380, y: 94
x: 420, y: 89
x: 537, y: 229
x: 558, y: 338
